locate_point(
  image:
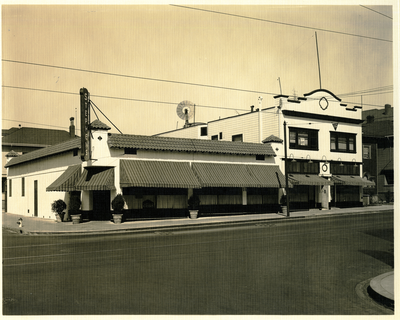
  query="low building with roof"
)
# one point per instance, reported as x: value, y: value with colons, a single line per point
x: 378, y: 151
x: 20, y: 140
x: 156, y: 176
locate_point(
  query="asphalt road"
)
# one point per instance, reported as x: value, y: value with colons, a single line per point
x: 304, y: 267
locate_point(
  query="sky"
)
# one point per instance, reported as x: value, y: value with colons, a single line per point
x: 139, y: 62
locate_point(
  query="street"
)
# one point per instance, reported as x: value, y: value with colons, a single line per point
x: 298, y: 267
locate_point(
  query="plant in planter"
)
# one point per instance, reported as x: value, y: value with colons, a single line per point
x: 58, y: 207
x: 284, y: 204
x: 193, y: 204
x: 74, y: 205
x: 117, y: 205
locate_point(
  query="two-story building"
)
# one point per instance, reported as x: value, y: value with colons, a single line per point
x: 156, y: 176
x: 323, y: 145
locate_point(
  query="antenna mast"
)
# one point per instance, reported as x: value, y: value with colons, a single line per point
x: 319, y: 69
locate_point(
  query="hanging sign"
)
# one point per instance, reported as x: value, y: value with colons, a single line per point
x: 85, y: 122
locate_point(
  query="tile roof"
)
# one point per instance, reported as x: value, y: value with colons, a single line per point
x: 45, y: 152
x: 272, y: 138
x: 35, y: 136
x: 188, y: 145
x: 97, y: 124
x: 154, y: 143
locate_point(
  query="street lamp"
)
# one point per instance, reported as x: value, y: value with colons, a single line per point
x: 286, y: 171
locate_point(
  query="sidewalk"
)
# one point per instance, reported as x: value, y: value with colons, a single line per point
x: 38, y: 226
x: 382, y: 286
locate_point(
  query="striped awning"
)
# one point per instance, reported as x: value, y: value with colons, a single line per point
x: 157, y: 174
x: 268, y: 176
x: 308, y: 180
x: 352, y: 181
x: 225, y: 175
x: 96, y: 178
x: 67, y: 180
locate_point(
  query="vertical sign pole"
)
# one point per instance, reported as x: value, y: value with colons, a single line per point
x: 85, y: 122
x: 286, y: 171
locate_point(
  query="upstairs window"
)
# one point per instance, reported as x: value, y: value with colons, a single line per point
x: 366, y: 152
x: 306, y: 139
x: 203, y: 131
x: 214, y: 137
x: 130, y: 151
x: 343, y: 142
x: 237, y: 138
x: 260, y: 157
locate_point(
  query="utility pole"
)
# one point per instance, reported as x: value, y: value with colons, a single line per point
x: 286, y: 171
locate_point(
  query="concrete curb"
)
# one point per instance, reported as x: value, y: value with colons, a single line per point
x: 381, y: 288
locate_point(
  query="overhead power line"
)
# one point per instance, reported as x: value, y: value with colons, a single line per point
x: 154, y: 101
x: 281, y: 23
x: 136, y: 77
x: 376, y: 12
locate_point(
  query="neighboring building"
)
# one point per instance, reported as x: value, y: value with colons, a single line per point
x: 21, y: 140
x: 156, y: 175
x: 324, y: 146
x: 378, y: 151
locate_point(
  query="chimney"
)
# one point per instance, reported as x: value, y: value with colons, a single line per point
x: 252, y: 108
x: 388, y: 110
x: 72, y: 128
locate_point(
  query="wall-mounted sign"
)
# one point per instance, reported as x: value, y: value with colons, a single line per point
x: 85, y: 122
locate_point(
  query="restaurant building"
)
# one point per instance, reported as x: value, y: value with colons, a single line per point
x: 155, y: 175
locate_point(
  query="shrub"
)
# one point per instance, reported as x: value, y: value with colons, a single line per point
x: 194, y: 202
x: 118, y: 203
x: 58, y: 206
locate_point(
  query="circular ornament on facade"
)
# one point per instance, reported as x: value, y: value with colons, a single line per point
x: 323, y: 103
x: 324, y: 168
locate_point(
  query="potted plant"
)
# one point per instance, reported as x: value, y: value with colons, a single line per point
x: 58, y: 207
x: 284, y: 204
x: 74, y: 205
x: 117, y: 205
x: 193, y: 204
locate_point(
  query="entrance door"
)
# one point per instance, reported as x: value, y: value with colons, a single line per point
x: 101, y: 205
x: 35, y: 198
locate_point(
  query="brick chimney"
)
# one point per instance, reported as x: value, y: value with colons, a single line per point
x: 71, y: 128
x: 388, y: 109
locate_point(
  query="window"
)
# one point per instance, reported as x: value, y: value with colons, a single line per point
x: 220, y: 136
x: 10, y: 188
x: 23, y: 187
x: 203, y: 131
x: 130, y: 151
x: 260, y: 157
x: 366, y: 152
x: 75, y: 152
x: 237, y: 138
x: 303, y: 167
x: 214, y: 137
x: 303, y: 139
x: 340, y: 168
x: 343, y: 142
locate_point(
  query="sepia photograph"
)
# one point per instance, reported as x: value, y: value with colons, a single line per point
x: 199, y: 158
